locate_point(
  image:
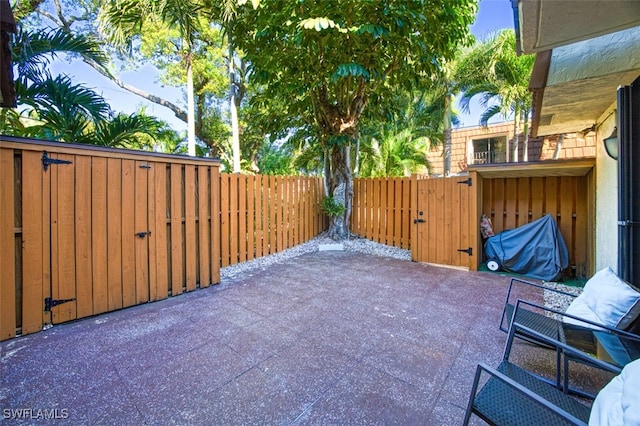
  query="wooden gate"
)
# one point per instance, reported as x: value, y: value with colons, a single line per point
x: 85, y: 230
x: 441, y: 233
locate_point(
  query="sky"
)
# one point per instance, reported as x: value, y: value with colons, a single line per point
x: 493, y: 15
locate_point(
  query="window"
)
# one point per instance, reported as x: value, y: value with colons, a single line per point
x: 489, y: 150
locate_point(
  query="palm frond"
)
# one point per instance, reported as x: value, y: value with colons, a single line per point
x: 32, y: 51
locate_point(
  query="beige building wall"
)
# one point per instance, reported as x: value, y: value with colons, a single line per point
x: 569, y: 146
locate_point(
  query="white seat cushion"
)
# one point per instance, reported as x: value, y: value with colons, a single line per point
x: 606, y: 299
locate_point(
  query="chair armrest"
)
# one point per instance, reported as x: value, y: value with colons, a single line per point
x: 592, y: 325
x: 509, y: 303
x: 518, y: 387
x: 536, y: 285
x: 571, y: 351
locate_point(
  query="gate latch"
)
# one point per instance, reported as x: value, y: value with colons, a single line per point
x: 469, y: 251
x: 143, y: 234
x: 47, y: 161
x: 50, y: 303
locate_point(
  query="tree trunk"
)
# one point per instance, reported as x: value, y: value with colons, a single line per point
x: 235, y: 133
x: 191, y: 111
x: 447, y: 136
x: 340, y: 184
x: 327, y: 173
x: 525, y: 144
x: 516, y: 134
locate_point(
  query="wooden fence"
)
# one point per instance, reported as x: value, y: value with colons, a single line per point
x: 382, y: 210
x: 262, y: 215
x: 86, y: 230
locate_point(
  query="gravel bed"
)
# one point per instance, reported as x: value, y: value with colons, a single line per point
x: 355, y: 243
x: 557, y: 301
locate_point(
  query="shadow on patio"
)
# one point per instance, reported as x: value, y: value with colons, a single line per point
x: 328, y: 337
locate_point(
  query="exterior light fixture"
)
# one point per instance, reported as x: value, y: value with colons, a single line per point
x: 611, y: 144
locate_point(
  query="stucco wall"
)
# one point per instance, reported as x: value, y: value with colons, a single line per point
x: 606, y: 208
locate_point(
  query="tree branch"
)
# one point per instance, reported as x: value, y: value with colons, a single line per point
x: 179, y: 113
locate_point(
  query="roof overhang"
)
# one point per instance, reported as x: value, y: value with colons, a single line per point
x: 535, y: 169
x: 546, y: 24
x: 574, y: 85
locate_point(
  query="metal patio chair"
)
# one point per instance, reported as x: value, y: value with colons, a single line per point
x: 512, y: 395
x: 597, y: 343
x: 548, y: 321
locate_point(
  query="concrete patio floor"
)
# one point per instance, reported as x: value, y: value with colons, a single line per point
x: 326, y: 338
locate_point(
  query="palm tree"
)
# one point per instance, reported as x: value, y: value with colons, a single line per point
x: 493, y: 70
x: 397, y: 153
x: 122, y: 20
x: 54, y: 108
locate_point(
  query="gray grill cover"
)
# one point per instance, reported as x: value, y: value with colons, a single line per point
x: 536, y: 249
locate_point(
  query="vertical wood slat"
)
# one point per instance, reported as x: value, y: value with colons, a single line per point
x: 83, y: 237
x: 510, y: 203
x: 537, y: 197
x: 225, y: 230
x: 241, y: 236
x: 128, y: 234
x: 141, y: 224
x: 65, y: 285
x: 565, y: 219
x: 114, y: 236
x: 261, y: 214
x: 273, y: 215
x: 152, y: 170
x: 383, y: 212
x: 33, y: 253
x: 46, y: 240
x: 99, y: 235
x: 293, y: 217
x: 190, y: 239
x: 407, y: 214
x: 456, y: 215
x: 215, y: 197
x: 397, y: 213
x: 251, y: 217
x: 264, y: 190
x: 204, y: 228
x: 234, y: 244
x: 280, y: 200
x: 523, y: 202
x: 7, y: 246
x: 177, y: 248
x: 161, y: 236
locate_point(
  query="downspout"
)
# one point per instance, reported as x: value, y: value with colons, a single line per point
x: 556, y: 152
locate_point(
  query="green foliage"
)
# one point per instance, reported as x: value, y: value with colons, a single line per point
x: 55, y: 108
x: 332, y: 208
x: 274, y: 160
x: 493, y: 71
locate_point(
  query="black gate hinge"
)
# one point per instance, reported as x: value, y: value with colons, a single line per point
x: 50, y: 303
x: 468, y: 181
x: 47, y: 161
x: 469, y: 250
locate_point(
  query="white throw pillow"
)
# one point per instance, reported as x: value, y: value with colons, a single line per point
x: 618, y: 403
x: 606, y: 299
